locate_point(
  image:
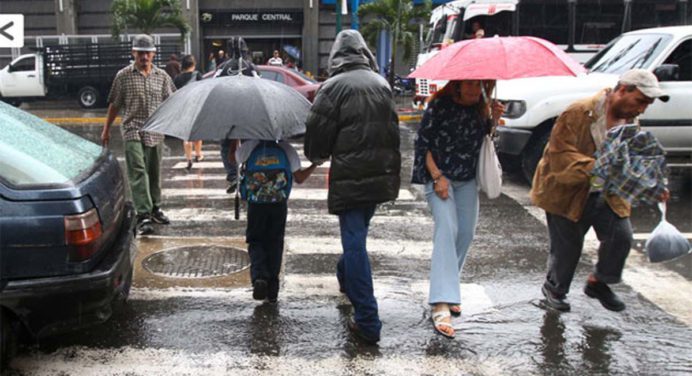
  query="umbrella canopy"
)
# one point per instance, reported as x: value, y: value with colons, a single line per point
x: 498, y: 58
x: 234, y: 107
x: 292, y: 51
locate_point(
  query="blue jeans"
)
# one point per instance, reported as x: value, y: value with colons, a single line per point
x: 229, y: 147
x: 353, y: 270
x: 455, y: 225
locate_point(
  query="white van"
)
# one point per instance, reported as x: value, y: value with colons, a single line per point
x: 533, y: 104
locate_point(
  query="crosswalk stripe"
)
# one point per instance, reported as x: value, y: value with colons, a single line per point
x: 218, y: 164
x: 77, y: 360
x: 296, y: 193
x: 199, y: 214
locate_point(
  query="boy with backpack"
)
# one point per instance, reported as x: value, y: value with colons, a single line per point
x: 269, y: 168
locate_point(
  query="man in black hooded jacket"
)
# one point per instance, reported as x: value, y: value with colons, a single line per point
x: 353, y: 121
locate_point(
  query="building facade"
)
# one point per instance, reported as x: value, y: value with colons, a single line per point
x: 303, y: 30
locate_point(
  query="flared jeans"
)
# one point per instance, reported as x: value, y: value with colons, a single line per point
x: 455, y: 225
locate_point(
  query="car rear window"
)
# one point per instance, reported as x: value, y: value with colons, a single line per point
x: 35, y: 152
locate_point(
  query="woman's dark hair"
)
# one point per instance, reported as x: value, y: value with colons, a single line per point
x: 450, y: 90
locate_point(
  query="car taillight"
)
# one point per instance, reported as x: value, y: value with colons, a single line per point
x: 81, y: 232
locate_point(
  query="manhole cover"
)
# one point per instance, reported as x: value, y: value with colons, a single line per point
x: 197, y: 261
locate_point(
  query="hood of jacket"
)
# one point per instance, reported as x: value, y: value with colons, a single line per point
x: 350, y: 51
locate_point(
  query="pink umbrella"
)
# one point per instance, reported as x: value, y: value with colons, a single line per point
x: 498, y: 58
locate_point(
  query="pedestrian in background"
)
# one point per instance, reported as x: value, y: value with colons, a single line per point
x: 211, y: 62
x: 564, y: 188
x: 189, y: 74
x: 447, y: 149
x: 138, y: 90
x: 221, y: 58
x: 269, y: 170
x: 173, y: 66
x: 275, y: 60
x: 239, y: 63
x: 353, y: 121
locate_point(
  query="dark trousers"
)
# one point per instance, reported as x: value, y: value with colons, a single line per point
x: 228, y: 148
x: 353, y: 269
x: 567, y: 241
x: 266, y: 225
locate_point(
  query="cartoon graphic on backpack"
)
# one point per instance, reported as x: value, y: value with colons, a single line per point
x: 267, y: 177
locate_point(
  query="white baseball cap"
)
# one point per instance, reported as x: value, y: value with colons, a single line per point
x: 143, y: 42
x: 645, y: 81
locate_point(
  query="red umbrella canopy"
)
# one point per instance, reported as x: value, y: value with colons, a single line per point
x: 498, y: 58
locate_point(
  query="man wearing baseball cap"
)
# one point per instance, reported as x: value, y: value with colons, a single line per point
x: 562, y: 187
x: 138, y: 90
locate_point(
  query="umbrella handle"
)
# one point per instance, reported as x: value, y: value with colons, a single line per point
x: 237, y: 205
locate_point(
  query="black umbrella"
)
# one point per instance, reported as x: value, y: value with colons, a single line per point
x: 233, y: 107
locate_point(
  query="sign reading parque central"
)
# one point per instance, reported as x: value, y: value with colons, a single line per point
x: 224, y: 18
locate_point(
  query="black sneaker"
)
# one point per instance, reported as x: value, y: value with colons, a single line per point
x: 259, y: 289
x: 189, y: 166
x: 144, y: 224
x: 356, y: 331
x: 555, y: 301
x: 232, y: 187
x: 158, y: 216
x: 605, y: 295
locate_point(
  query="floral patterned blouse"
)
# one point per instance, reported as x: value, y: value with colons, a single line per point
x: 453, y: 134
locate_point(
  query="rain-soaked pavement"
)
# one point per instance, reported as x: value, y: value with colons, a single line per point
x: 178, y: 324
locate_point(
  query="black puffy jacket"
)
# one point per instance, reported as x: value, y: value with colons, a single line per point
x: 353, y: 120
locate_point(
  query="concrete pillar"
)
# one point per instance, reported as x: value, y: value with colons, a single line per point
x: 191, y: 13
x: 66, y: 17
x: 310, y: 53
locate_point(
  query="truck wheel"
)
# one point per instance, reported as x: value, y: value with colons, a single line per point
x: 89, y: 97
x: 532, y: 155
x: 7, y: 339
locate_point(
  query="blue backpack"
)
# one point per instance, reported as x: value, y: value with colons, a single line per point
x: 267, y: 176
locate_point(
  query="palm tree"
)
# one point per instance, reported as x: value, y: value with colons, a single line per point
x: 147, y: 15
x: 396, y: 17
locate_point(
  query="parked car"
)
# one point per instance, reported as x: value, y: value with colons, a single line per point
x: 293, y: 78
x: 533, y: 104
x: 297, y: 80
x: 66, y: 230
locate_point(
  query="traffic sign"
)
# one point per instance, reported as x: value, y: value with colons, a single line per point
x: 12, y: 30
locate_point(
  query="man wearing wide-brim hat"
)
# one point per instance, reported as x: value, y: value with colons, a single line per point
x: 564, y: 188
x: 138, y: 90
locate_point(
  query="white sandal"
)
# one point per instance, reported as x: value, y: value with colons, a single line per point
x: 437, y: 317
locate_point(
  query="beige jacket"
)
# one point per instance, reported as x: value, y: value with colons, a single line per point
x: 562, y: 180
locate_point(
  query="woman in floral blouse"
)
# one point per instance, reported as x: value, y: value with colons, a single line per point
x: 446, y: 155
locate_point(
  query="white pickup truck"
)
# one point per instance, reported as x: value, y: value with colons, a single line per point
x: 533, y: 104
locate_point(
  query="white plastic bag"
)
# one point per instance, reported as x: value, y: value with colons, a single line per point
x: 489, y: 171
x: 666, y: 242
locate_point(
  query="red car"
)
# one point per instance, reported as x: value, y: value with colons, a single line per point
x: 297, y: 80
x: 291, y: 77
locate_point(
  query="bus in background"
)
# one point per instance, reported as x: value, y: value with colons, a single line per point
x: 457, y: 20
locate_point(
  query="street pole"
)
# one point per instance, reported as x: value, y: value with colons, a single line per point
x: 627, y: 17
x: 354, y: 14
x: 572, y: 24
x: 683, y: 12
x: 338, y: 16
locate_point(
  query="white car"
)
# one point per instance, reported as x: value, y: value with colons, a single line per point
x: 533, y: 104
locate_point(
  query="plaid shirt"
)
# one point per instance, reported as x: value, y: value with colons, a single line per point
x: 139, y: 96
x: 630, y: 164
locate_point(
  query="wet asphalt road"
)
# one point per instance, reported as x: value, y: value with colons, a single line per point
x: 200, y: 326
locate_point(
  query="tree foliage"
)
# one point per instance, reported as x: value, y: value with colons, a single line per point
x: 147, y: 15
x: 400, y: 18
